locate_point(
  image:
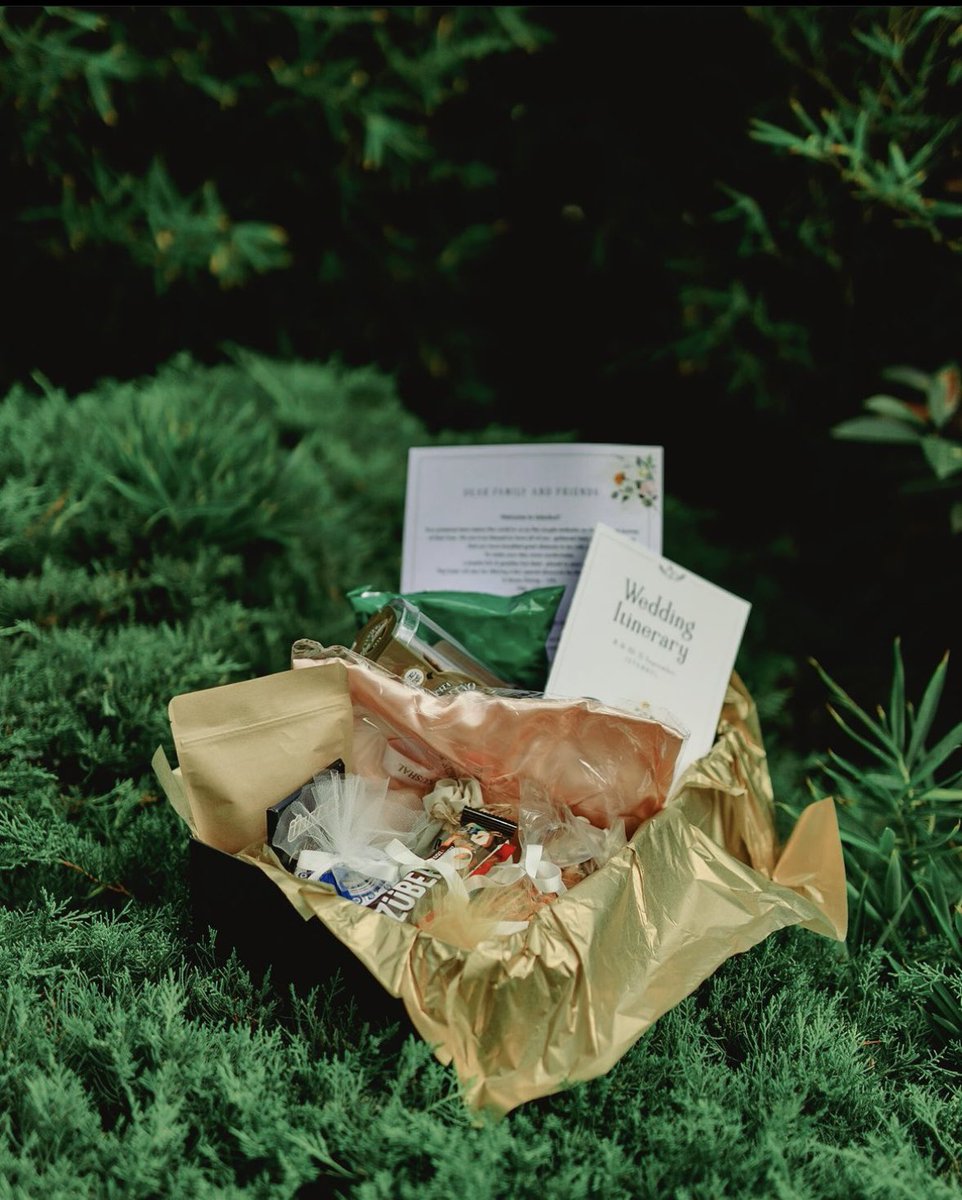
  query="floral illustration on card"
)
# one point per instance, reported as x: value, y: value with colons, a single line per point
x: 635, y: 479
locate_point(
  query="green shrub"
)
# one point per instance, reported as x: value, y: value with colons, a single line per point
x: 900, y: 812
x: 215, y: 514
x: 372, y: 79
x: 932, y: 424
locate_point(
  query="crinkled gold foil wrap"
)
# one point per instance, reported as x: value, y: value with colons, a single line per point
x: 525, y: 1015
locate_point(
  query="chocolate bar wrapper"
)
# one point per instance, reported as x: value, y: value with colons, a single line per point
x: 409, y: 896
x: 472, y: 850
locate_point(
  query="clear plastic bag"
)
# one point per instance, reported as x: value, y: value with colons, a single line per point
x: 600, y: 762
x: 568, y: 840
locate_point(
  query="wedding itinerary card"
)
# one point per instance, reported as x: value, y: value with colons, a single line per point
x: 505, y: 519
x: 647, y: 635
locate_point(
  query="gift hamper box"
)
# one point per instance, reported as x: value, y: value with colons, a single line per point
x: 555, y: 889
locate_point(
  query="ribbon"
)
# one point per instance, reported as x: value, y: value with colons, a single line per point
x: 444, y: 865
x: 542, y: 872
x: 545, y: 875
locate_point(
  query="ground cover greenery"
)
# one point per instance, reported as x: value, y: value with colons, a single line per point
x: 137, y: 1062
x: 255, y: 254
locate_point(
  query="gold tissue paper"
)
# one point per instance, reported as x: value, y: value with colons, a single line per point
x: 526, y: 1014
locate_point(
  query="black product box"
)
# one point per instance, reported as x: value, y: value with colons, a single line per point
x: 252, y: 917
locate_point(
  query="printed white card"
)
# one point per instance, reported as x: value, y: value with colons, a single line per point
x: 504, y: 519
x: 649, y: 636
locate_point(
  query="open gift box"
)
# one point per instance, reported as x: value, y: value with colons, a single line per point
x: 525, y: 1014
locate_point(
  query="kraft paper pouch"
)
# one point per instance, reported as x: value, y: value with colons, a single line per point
x: 244, y: 746
x: 530, y: 1012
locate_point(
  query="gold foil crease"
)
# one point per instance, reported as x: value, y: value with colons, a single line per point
x: 528, y: 1014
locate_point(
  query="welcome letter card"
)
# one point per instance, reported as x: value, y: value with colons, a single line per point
x: 504, y: 519
x: 649, y: 636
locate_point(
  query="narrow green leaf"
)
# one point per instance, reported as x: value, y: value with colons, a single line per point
x: 943, y: 456
x: 885, y: 782
x: 859, y: 138
x: 888, y: 753
x: 139, y: 498
x: 848, y: 773
x: 858, y: 842
x: 897, y: 696
x: 910, y: 376
x: 897, y: 159
x: 953, y: 1028
x: 933, y: 845
x: 933, y: 893
x: 889, y: 406
x: 100, y: 94
x: 921, y: 156
x: 876, y: 429
x: 774, y: 135
x: 848, y: 703
x: 945, y: 208
x: 943, y: 395
x: 938, y: 754
x: 833, y: 127
x: 891, y: 928
x: 879, y: 42
x: 799, y: 111
x: 528, y: 37
x: 845, y: 785
x: 856, y: 929
x: 88, y: 21
x: 943, y: 999
x: 941, y: 12
x: 927, y: 711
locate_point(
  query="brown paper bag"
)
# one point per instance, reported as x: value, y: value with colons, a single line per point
x: 702, y: 878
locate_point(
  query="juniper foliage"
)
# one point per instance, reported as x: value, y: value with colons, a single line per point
x: 136, y: 1060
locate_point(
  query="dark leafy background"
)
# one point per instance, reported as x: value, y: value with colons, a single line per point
x: 572, y: 232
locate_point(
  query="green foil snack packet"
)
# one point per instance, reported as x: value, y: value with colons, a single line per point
x: 506, y: 632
